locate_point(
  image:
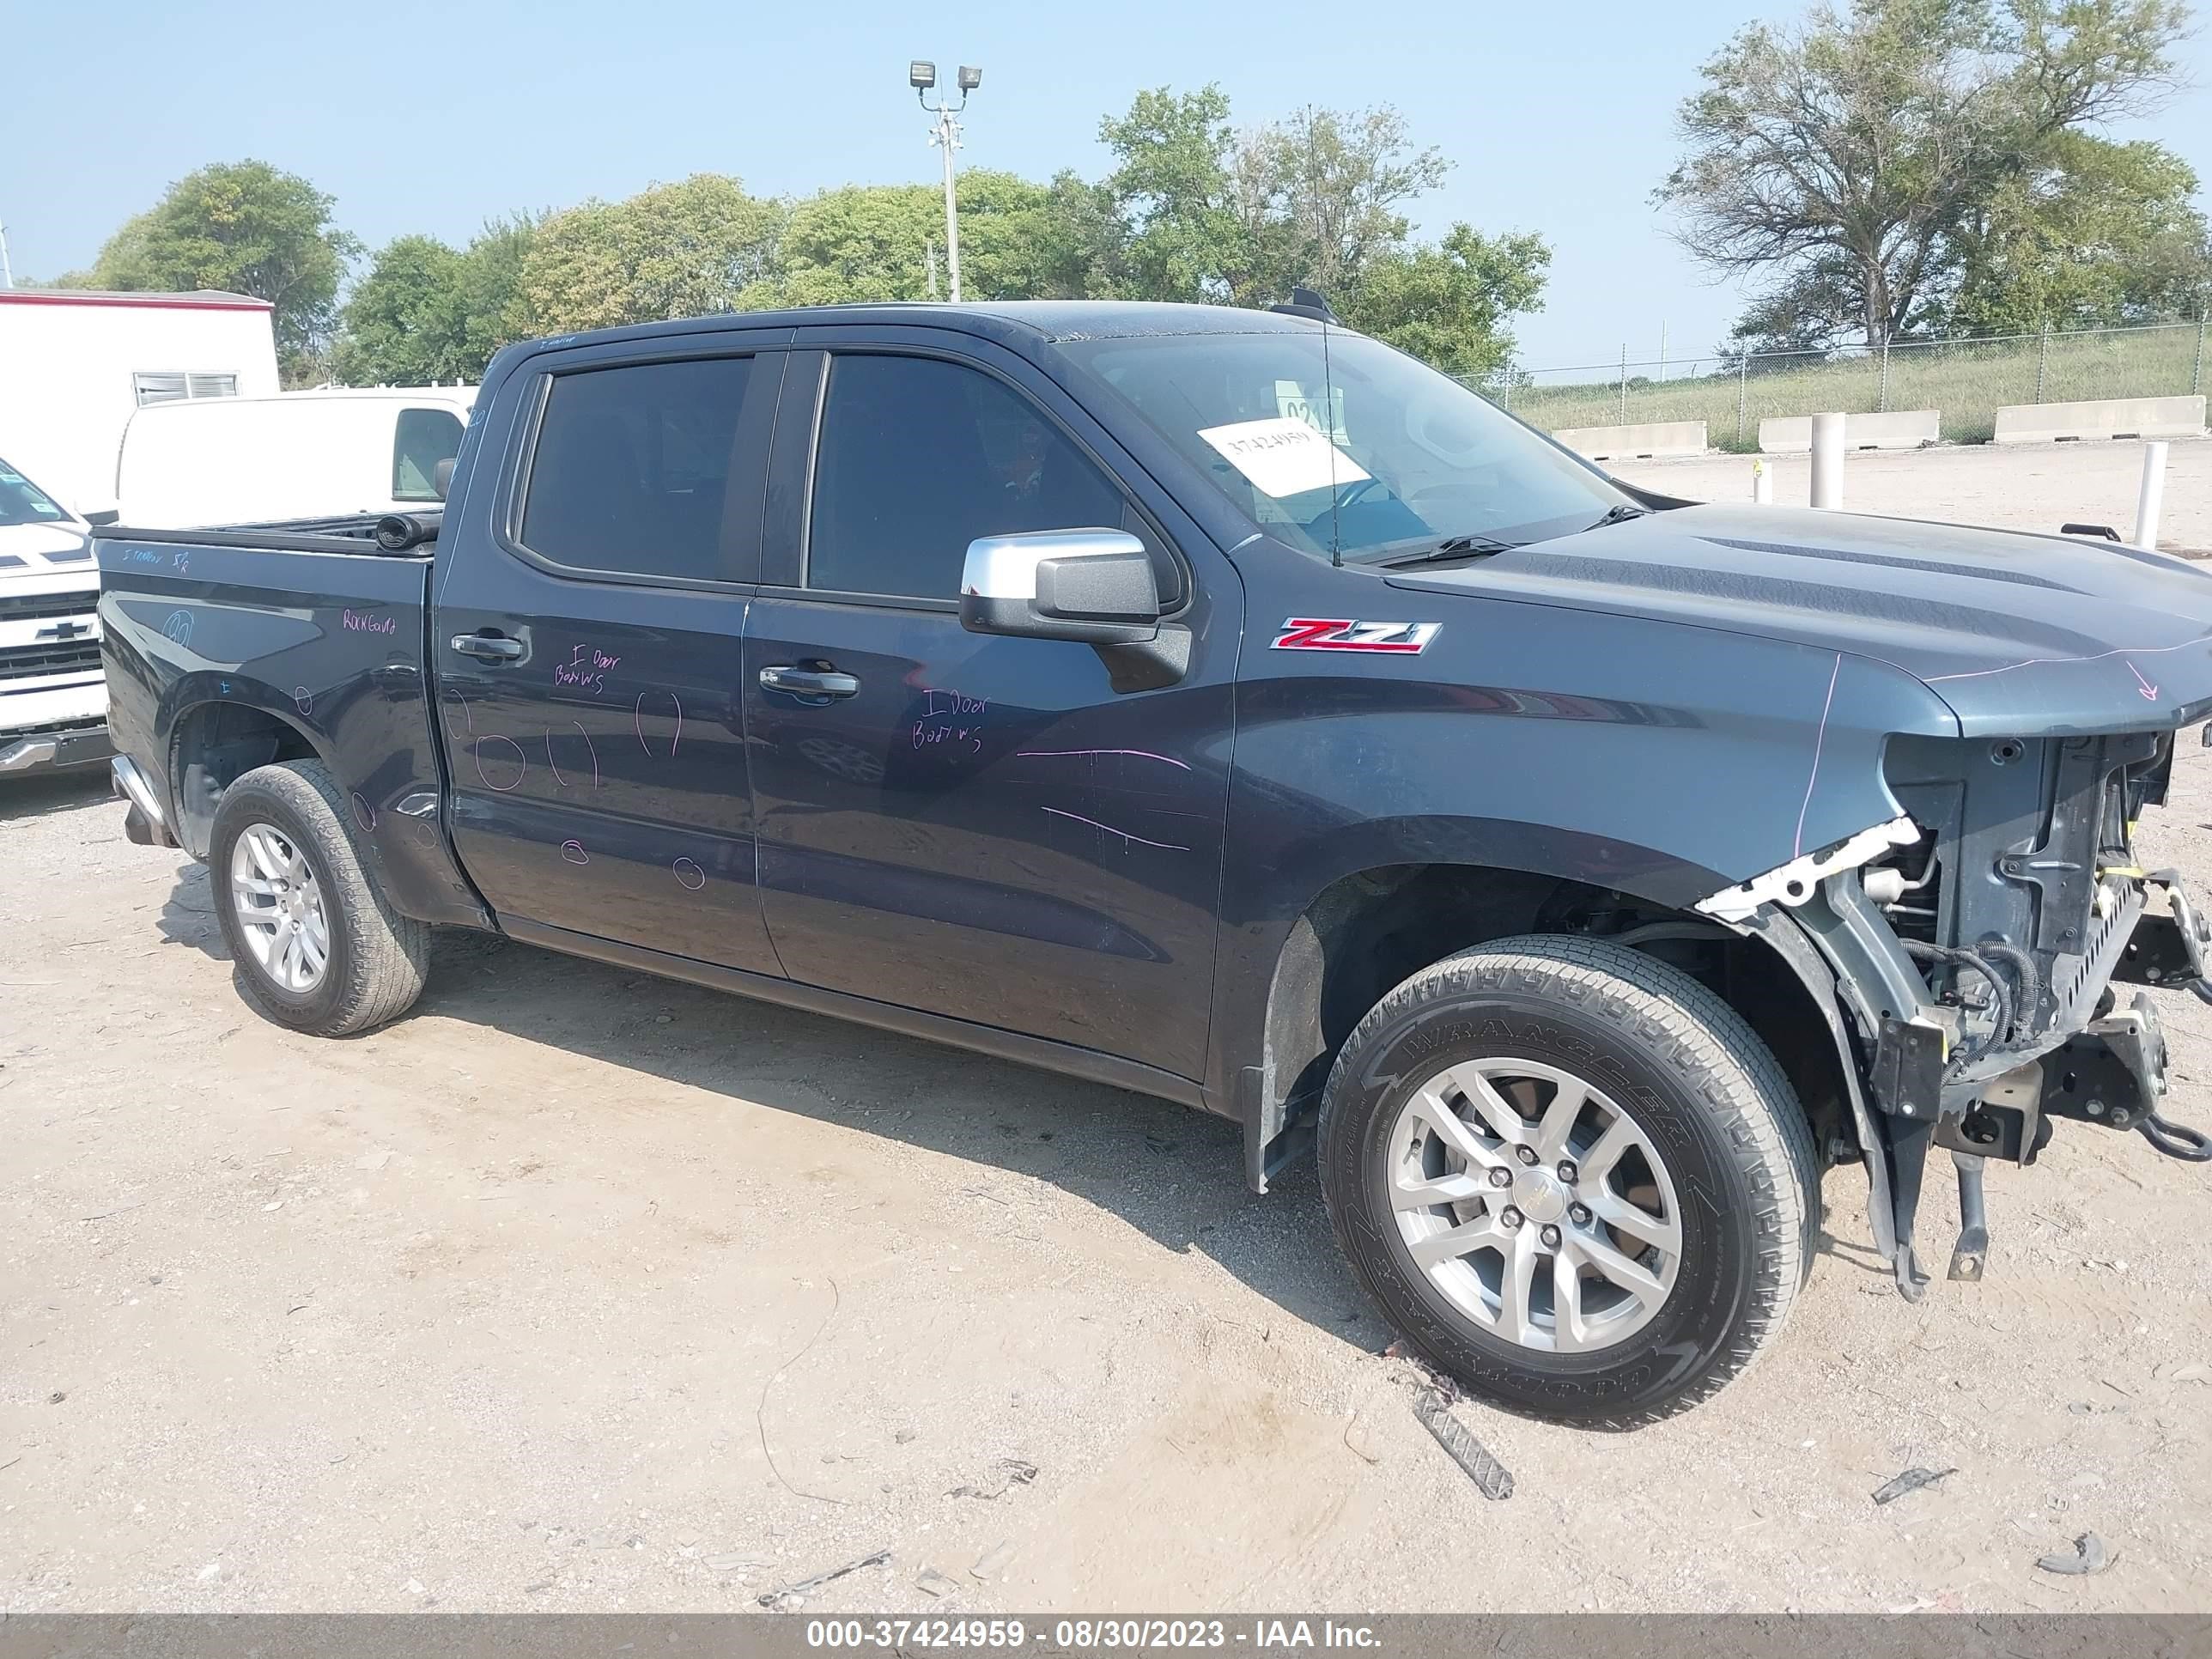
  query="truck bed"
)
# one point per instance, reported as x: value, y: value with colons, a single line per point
x: 303, y: 639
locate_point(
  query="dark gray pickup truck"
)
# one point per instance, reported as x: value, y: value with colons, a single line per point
x: 1222, y: 705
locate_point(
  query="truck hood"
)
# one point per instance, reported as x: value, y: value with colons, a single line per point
x: 37, y: 550
x: 2020, y: 634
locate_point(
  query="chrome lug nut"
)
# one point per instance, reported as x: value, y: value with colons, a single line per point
x: 1526, y: 1154
x: 1567, y: 1171
x: 1501, y: 1177
x: 1551, y: 1237
x: 1509, y: 1218
x: 1579, y: 1214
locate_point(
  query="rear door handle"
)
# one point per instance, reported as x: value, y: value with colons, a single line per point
x: 487, y: 647
x: 819, y: 682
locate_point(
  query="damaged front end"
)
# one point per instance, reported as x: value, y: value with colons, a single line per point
x: 1981, y: 942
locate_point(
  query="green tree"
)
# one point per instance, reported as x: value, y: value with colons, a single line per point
x: 683, y: 250
x: 403, y: 323
x: 1449, y: 304
x: 1206, y: 214
x: 877, y: 241
x: 425, y: 312
x: 1841, y: 164
x: 2098, y: 234
x: 1188, y: 231
x: 245, y: 227
x: 493, y: 308
x: 1336, y: 182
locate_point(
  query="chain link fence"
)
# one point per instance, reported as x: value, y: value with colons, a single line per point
x: 1968, y: 380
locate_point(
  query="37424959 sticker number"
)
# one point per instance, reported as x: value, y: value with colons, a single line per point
x: 1400, y: 639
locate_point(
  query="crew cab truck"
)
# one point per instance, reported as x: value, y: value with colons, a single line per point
x: 1222, y: 705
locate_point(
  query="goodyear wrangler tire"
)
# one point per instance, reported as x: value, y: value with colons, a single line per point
x: 1571, y: 1176
x: 316, y: 947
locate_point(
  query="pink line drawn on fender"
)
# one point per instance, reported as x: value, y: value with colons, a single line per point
x: 637, y: 719
x: 574, y: 852
x: 560, y: 781
x: 302, y: 699
x: 1062, y: 754
x: 363, y: 813
x: 1164, y: 846
x: 685, y: 869
x: 594, y: 748
x: 2149, y: 692
x: 521, y: 761
x: 1820, y: 741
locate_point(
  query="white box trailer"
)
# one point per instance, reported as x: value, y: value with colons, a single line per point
x: 76, y: 365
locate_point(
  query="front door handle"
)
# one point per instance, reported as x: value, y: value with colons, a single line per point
x: 487, y: 647
x: 821, y: 684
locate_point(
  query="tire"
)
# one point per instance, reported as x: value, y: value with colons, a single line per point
x: 1733, y: 1171
x: 376, y: 959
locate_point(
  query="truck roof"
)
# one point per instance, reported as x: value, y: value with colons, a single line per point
x: 207, y: 298
x: 1000, y: 319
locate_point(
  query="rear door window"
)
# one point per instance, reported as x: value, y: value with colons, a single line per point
x: 630, y: 474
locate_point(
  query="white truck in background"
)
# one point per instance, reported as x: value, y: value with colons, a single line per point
x: 322, y: 453
x: 76, y: 365
x: 53, y: 696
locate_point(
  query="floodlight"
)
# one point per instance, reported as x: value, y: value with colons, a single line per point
x: 920, y: 75
x: 970, y: 78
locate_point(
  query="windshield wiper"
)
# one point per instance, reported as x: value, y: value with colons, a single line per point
x: 1620, y: 515
x: 1459, y: 547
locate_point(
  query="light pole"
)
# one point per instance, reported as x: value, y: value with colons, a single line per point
x: 946, y: 135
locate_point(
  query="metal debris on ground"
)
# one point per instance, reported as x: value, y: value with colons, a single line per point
x: 792, y: 1597
x: 1005, y: 1475
x: 1911, y: 1480
x: 1491, y: 1477
x: 935, y: 1583
x: 2090, y: 1555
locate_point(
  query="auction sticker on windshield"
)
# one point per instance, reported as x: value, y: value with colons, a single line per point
x: 1283, y: 456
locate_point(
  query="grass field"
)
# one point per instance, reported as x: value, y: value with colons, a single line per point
x: 1968, y: 380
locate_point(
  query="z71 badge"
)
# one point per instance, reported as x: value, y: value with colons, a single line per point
x: 1402, y: 639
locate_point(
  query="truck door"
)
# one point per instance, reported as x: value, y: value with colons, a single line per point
x: 587, y: 637
x: 978, y: 827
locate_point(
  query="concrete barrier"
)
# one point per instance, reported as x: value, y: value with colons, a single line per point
x: 1903, y: 428
x: 1648, y: 442
x: 2110, y: 417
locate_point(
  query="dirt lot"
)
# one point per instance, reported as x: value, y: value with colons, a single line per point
x: 577, y: 1290
x: 2026, y: 486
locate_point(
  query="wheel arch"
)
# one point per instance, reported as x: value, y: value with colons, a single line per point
x: 217, y: 735
x: 1368, y: 930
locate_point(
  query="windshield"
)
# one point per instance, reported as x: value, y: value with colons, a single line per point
x: 1370, y: 454
x: 22, y: 502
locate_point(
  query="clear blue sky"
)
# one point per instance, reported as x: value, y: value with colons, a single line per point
x: 421, y: 117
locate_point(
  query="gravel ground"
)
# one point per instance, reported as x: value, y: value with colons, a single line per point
x: 577, y: 1290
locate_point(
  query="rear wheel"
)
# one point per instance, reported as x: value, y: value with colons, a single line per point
x: 316, y: 945
x: 1571, y: 1176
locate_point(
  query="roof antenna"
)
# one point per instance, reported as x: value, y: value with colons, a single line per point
x: 1328, y: 414
x: 1308, y: 303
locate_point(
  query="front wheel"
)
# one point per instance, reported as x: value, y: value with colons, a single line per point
x: 316, y: 945
x: 1572, y: 1176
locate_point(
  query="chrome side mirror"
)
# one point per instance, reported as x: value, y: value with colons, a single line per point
x: 1092, y: 585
